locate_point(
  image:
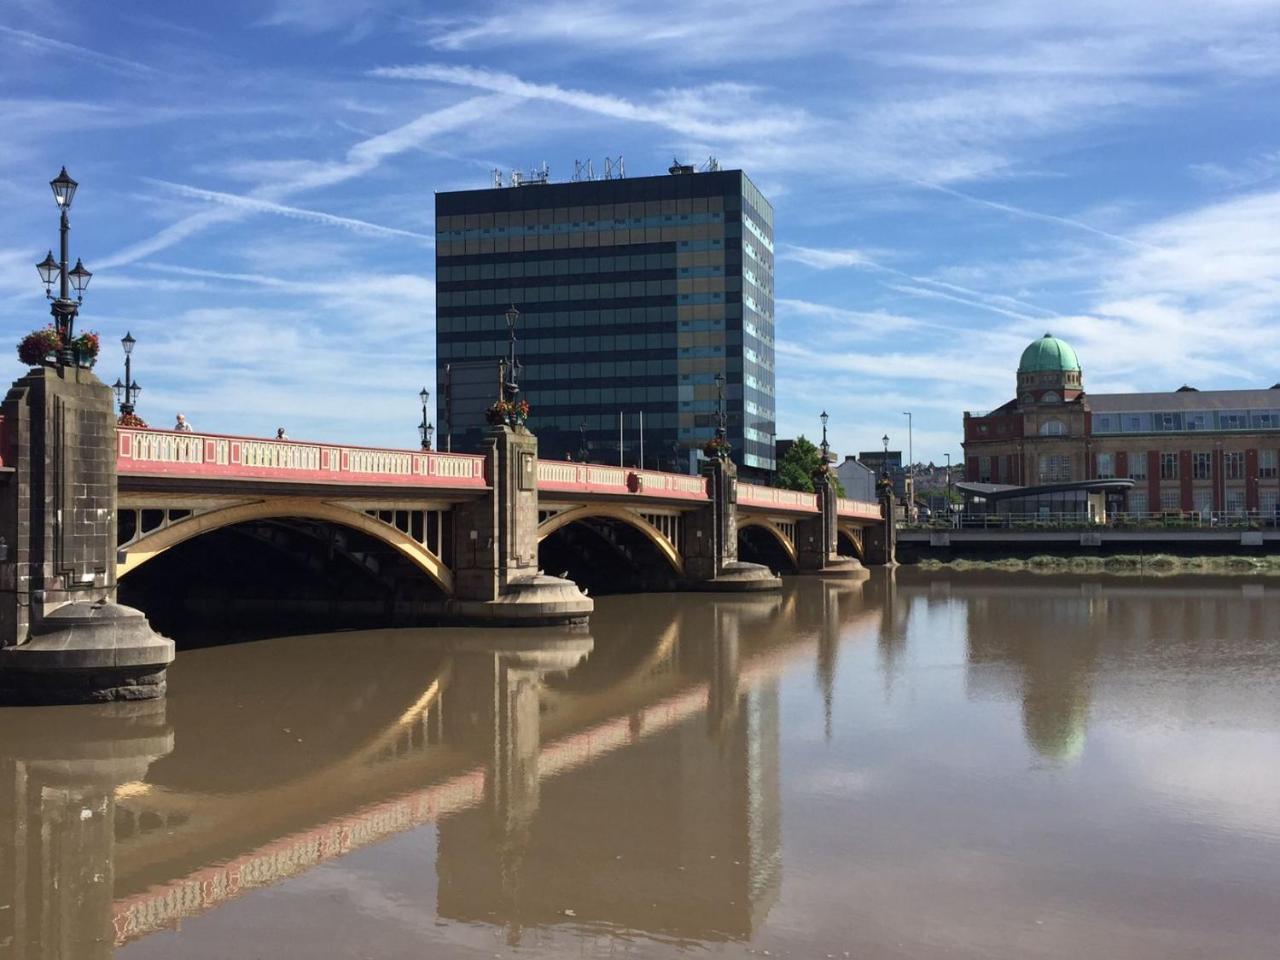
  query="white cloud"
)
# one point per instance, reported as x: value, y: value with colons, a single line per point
x: 254, y: 205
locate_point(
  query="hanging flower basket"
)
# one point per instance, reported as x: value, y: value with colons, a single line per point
x: 39, y: 347
x: 508, y: 413
x: 717, y: 447
x: 131, y: 420
x: 85, y: 348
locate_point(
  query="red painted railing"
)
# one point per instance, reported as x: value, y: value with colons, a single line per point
x: 857, y: 509
x: 205, y: 456
x: 558, y: 476
x: 775, y: 498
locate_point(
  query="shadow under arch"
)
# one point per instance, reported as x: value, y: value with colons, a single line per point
x: 785, y: 546
x: 847, y: 540
x: 609, y: 549
x: 153, y: 544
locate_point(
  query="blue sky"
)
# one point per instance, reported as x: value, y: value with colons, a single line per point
x: 950, y: 180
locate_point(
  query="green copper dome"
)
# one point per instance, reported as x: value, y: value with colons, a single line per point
x: 1048, y: 354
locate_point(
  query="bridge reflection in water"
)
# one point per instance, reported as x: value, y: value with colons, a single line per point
x: 633, y: 774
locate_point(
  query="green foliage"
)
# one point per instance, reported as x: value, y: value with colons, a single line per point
x: 798, y: 465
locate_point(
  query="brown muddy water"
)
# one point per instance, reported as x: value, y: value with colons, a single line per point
x: 972, y: 765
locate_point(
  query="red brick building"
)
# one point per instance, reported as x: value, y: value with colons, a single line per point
x: 1188, y: 450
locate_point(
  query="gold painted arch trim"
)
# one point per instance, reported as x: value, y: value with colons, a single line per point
x: 154, y: 544
x: 610, y: 512
x: 854, y: 535
x: 783, y: 540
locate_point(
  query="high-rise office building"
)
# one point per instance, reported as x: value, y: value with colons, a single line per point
x: 633, y: 293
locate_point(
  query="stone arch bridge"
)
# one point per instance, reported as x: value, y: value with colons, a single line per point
x: 427, y: 506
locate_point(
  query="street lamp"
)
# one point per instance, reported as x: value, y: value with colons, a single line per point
x: 127, y: 392
x: 908, y: 481
x: 425, y: 428
x: 825, y: 447
x: 584, y: 447
x: 64, y: 308
x: 720, y: 421
x: 512, y: 385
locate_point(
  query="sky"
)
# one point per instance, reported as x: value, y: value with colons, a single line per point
x: 950, y: 180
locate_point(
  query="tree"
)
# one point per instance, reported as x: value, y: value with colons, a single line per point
x: 799, y: 464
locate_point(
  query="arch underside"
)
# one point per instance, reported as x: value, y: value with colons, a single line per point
x: 853, y: 536
x: 605, y: 511
x: 151, y: 545
x: 764, y: 523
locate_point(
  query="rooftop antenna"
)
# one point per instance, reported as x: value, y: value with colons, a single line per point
x: 583, y: 170
x: 711, y: 166
x: 614, y: 169
x: 497, y: 177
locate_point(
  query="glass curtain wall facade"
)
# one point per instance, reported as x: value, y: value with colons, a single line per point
x: 633, y: 294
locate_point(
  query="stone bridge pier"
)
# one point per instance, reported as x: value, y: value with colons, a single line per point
x: 711, y: 538
x: 62, y: 639
x: 496, y: 576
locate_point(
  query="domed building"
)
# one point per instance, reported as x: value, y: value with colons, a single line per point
x: 1186, y: 451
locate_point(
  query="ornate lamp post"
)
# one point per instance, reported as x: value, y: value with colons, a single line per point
x: 721, y: 432
x: 64, y: 308
x: 584, y: 446
x: 826, y: 449
x: 127, y: 392
x: 426, y: 428
x: 511, y: 385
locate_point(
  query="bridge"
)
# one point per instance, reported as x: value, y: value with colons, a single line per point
x: 176, y: 486
x: 311, y: 529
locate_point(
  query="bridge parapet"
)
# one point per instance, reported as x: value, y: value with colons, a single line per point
x: 555, y: 476
x: 848, y: 509
x: 201, y: 456
x: 776, y: 498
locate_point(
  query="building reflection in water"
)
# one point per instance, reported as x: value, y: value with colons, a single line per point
x: 632, y: 778
x: 1044, y: 641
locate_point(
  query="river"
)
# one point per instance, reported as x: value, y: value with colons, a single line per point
x: 919, y: 765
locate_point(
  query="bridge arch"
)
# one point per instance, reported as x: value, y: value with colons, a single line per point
x: 851, y: 536
x: 604, y: 511
x: 786, y: 542
x: 152, y: 545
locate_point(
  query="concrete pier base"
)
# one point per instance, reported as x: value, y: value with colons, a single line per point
x: 738, y: 576
x: 838, y: 568
x: 530, y: 601
x: 87, y: 653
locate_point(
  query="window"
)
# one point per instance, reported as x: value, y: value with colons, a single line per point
x: 1102, y: 423
x: 1267, y: 464
x: 1137, y: 465
x: 1168, y: 466
x: 1233, y: 420
x: 1233, y: 465
x: 1049, y: 397
x: 1170, y: 500
x: 1269, y: 505
x: 1137, y: 502
x: 984, y: 469
x: 1197, y: 421
x: 1106, y: 466
x: 1053, y: 428
x: 1204, y: 500
x: 1055, y: 468
x: 1235, y: 500
x: 1201, y: 466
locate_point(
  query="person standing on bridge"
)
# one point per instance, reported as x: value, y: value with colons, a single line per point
x: 182, y: 426
x: 280, y: 434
